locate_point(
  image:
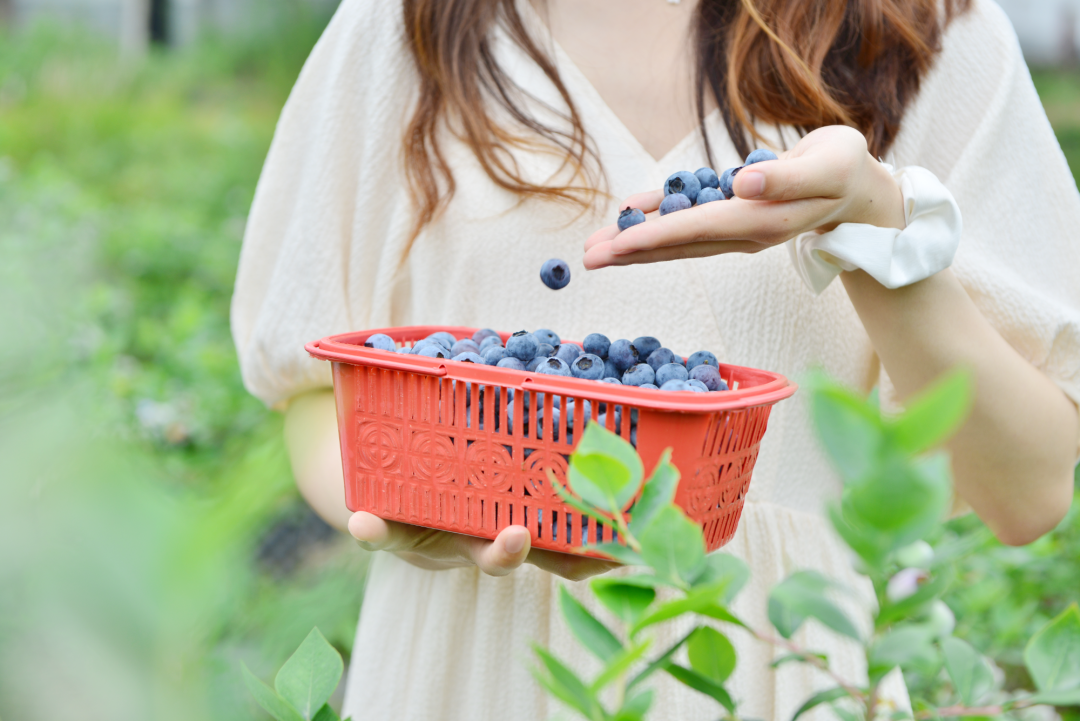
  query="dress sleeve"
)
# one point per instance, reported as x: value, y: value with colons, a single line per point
x: 980, y: 126
x: 326, y: 235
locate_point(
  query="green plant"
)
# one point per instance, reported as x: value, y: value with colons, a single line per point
x: 304, y: 684
x: 897, y: 488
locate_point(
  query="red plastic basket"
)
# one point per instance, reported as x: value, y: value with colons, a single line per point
x: 416, y: 448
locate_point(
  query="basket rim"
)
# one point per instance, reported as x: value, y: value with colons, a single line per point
x: 347, y: 348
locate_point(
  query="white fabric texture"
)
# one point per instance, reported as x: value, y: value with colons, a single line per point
x: 893, y: 257
x: 325, y: 252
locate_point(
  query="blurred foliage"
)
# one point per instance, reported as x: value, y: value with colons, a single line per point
x: 142, y: 491
x: 150, y: 533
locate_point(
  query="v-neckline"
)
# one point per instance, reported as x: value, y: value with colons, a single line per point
x: 565, y: 63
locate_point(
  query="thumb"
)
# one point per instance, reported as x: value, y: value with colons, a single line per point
x: 806, y: 176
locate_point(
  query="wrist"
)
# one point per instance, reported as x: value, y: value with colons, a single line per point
x: 879, y: 200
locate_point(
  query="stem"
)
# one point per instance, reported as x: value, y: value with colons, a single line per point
x: 811, y: 659
x: 964, y: 711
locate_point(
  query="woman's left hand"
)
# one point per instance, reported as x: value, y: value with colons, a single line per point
x: 827, y: 179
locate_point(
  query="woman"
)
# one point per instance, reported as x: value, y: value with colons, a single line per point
x: 435, y: 152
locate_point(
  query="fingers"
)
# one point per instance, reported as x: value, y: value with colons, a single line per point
x: 602, y: 257
x: 813, y: 175
x: 646, y: 202
x: 501, y: 556
x: 569, y: 566
x: 604, y: 235
x: 760, y: 222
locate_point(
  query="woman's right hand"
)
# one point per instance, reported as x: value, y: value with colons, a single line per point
x: 438, y: 550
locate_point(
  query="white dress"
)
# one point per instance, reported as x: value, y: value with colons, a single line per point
x: 325, y: 253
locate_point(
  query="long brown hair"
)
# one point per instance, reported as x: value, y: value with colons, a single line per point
x: 803, y: 63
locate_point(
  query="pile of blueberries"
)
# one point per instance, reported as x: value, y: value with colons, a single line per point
x: 685, y: 189
x: 642, y: 362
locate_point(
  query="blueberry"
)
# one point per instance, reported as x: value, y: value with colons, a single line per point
x: 670, y: 371
x: 630, y: 217
x: 523, y: 346
x: 682, y: 183
x: 493, y: 354
x: 697, y: 386
x: 464, y: 346
x: 759, y: 156
x: 708, y: 375
x: 726, y: 181
x: 511, y: 363
x: 469, y: 357
x: 659, y: 357
x: 544, y: 350
x: 674, y: 385
x: 535, y: 363
x: 702, y: 357
x: 569, y: 410
x: 427, y: 342
x: 638, y: 375
x: 479, y: 336
x: 597, y: 344
x: 709, y: 195
x: 490, y: 341
x: 405, y: 350
x: 675, y: 202
x: 567, y: 353
x: 556, y: 417
x: 553, y: 367
x: 614, y: 381
x: 645, y: 345
x: 650, y: 386
x: 587, y: 366
x: 611, y: 371
x: 380, y: 341
x: 445, y: 338
x: 555, y: 273
x: 623, y: 354
x: 707, y: 178
x: 433, y: 350
x: 547, y: 336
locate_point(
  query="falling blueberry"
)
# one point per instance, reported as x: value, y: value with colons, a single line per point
x: 630, y: 217
x: 555, y: 273
x: 673, y: 203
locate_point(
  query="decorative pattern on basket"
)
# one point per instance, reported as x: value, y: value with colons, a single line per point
x: 429, y: 442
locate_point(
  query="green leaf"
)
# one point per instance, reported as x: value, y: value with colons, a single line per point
x: 711, y: 654
x: 707, y: 686
x: 801, y: 596
x: 639, y: 703
x: 872, y: 546
x: 594, y: 635
x: 620, y: 664
x: 659, y: 662
x: 970, y: 674
x: 909, y: 646
x: 819, y: 698
x: 843, y: 714
x: 568, y: 498
x: 310, y: 675
x: 850, y: 429
x: 659, y: 491
x: 564, y: 684
x: 724, y: 567
x: 720, y: 613
x: 700, y: 600
x: 326, y: 713
x: 273, y: 704
x: 790, y: 657
x: 904, y: 500
x: 674, y: 546
x: 1052, y: 656
x: 934, y: 414
x: 618, y: 552
x: 605, y: 470
x: 628, y: 601
x: 1063, y: 697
